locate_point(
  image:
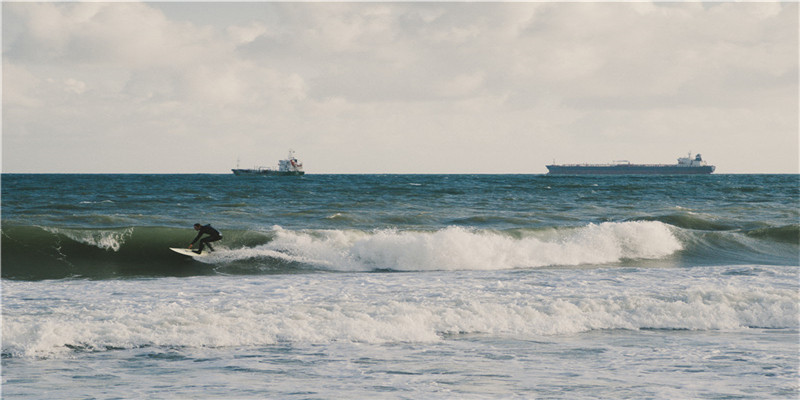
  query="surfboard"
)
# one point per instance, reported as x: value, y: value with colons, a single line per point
x: 188, y: 252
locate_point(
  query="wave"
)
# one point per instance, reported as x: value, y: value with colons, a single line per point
x: 690, y: 221
x: 103, y: 239
x: 786, y: 234
x: 458, y: 248
x: 324, y: 315
x: 35, y: 253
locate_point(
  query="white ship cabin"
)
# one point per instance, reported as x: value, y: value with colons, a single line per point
x: 689, y: 162
x: 290, y: 164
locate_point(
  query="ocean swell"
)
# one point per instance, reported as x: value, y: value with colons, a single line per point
x: 34, y: 253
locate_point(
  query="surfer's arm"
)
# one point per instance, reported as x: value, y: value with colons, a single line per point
x: 196, y: 238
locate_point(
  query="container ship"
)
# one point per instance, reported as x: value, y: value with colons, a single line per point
x: 685, y: 166
x: 289, y: 166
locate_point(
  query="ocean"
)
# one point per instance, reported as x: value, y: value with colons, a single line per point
x: 401, y: 287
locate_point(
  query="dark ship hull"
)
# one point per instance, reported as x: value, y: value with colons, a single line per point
x: 261, y: 172
x: 628, y: 169
x: 685, y: 166
x: 287, y: 167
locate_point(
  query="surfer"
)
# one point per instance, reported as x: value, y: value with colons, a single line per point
x: 213, y: 236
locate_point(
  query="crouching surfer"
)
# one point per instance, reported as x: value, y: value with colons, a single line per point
x: 213, y: 236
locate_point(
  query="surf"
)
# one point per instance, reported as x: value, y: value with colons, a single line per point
x: 41, y: 252
x: 459, y: 248
x: 32, y: 252
x: 35, y: 253
x: 215, y: 312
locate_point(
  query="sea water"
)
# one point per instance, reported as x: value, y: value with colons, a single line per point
x: 401, y: 286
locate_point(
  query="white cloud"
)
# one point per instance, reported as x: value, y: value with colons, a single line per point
x: 461, y: 85
x: 75, y: 86
x: 247, y: 33
x: 411, y: 87
x: 19, y: 87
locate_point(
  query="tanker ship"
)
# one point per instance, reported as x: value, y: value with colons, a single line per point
x: 289, y: 166
x: 685, y: 166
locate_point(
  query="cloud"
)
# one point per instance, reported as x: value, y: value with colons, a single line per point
x: 246, y: 34
x: 410, y: 87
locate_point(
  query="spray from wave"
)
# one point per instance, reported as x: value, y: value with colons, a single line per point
x: 106, y: 239
x: 457, y: 248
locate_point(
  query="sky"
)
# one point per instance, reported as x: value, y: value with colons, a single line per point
x: 407, y: 87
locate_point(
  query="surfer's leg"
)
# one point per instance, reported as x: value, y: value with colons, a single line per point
x: 211, y: 239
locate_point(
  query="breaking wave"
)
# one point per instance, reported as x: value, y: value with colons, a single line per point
x: 223, y: 313
x: 34, y: 253
x: 457, y: 248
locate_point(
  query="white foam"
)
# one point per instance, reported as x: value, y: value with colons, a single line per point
x: 380, y: 308
x: 104, y: 239
x: 457, y: 248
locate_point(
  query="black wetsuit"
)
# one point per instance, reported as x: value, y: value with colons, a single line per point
x: 213, y: 236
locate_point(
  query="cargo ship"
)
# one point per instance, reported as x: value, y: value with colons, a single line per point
x: 685, y: 166
x: 288, y: 167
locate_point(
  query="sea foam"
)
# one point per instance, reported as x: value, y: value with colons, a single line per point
x: 383, y: 308
x: 106, y: 239
x: 459, y: 248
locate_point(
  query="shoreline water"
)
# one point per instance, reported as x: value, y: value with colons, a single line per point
x: 564, y: 333
x: 401, y: 287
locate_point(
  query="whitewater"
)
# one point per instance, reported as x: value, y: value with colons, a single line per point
x: 401, y: 286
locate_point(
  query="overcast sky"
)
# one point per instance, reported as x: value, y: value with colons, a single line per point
x: 397, y: 87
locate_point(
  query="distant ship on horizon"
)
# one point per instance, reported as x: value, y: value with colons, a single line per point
x: 685, y: 166
x: 288, y: 166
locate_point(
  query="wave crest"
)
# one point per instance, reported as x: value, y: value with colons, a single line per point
x: 457, y: 248
x: 33, y: 253
x: 111, y: 239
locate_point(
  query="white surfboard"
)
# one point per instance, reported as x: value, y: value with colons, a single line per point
x: 188, y: 252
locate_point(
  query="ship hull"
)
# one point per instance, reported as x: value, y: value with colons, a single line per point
x: 265, y: 172
x: 628, y: 169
